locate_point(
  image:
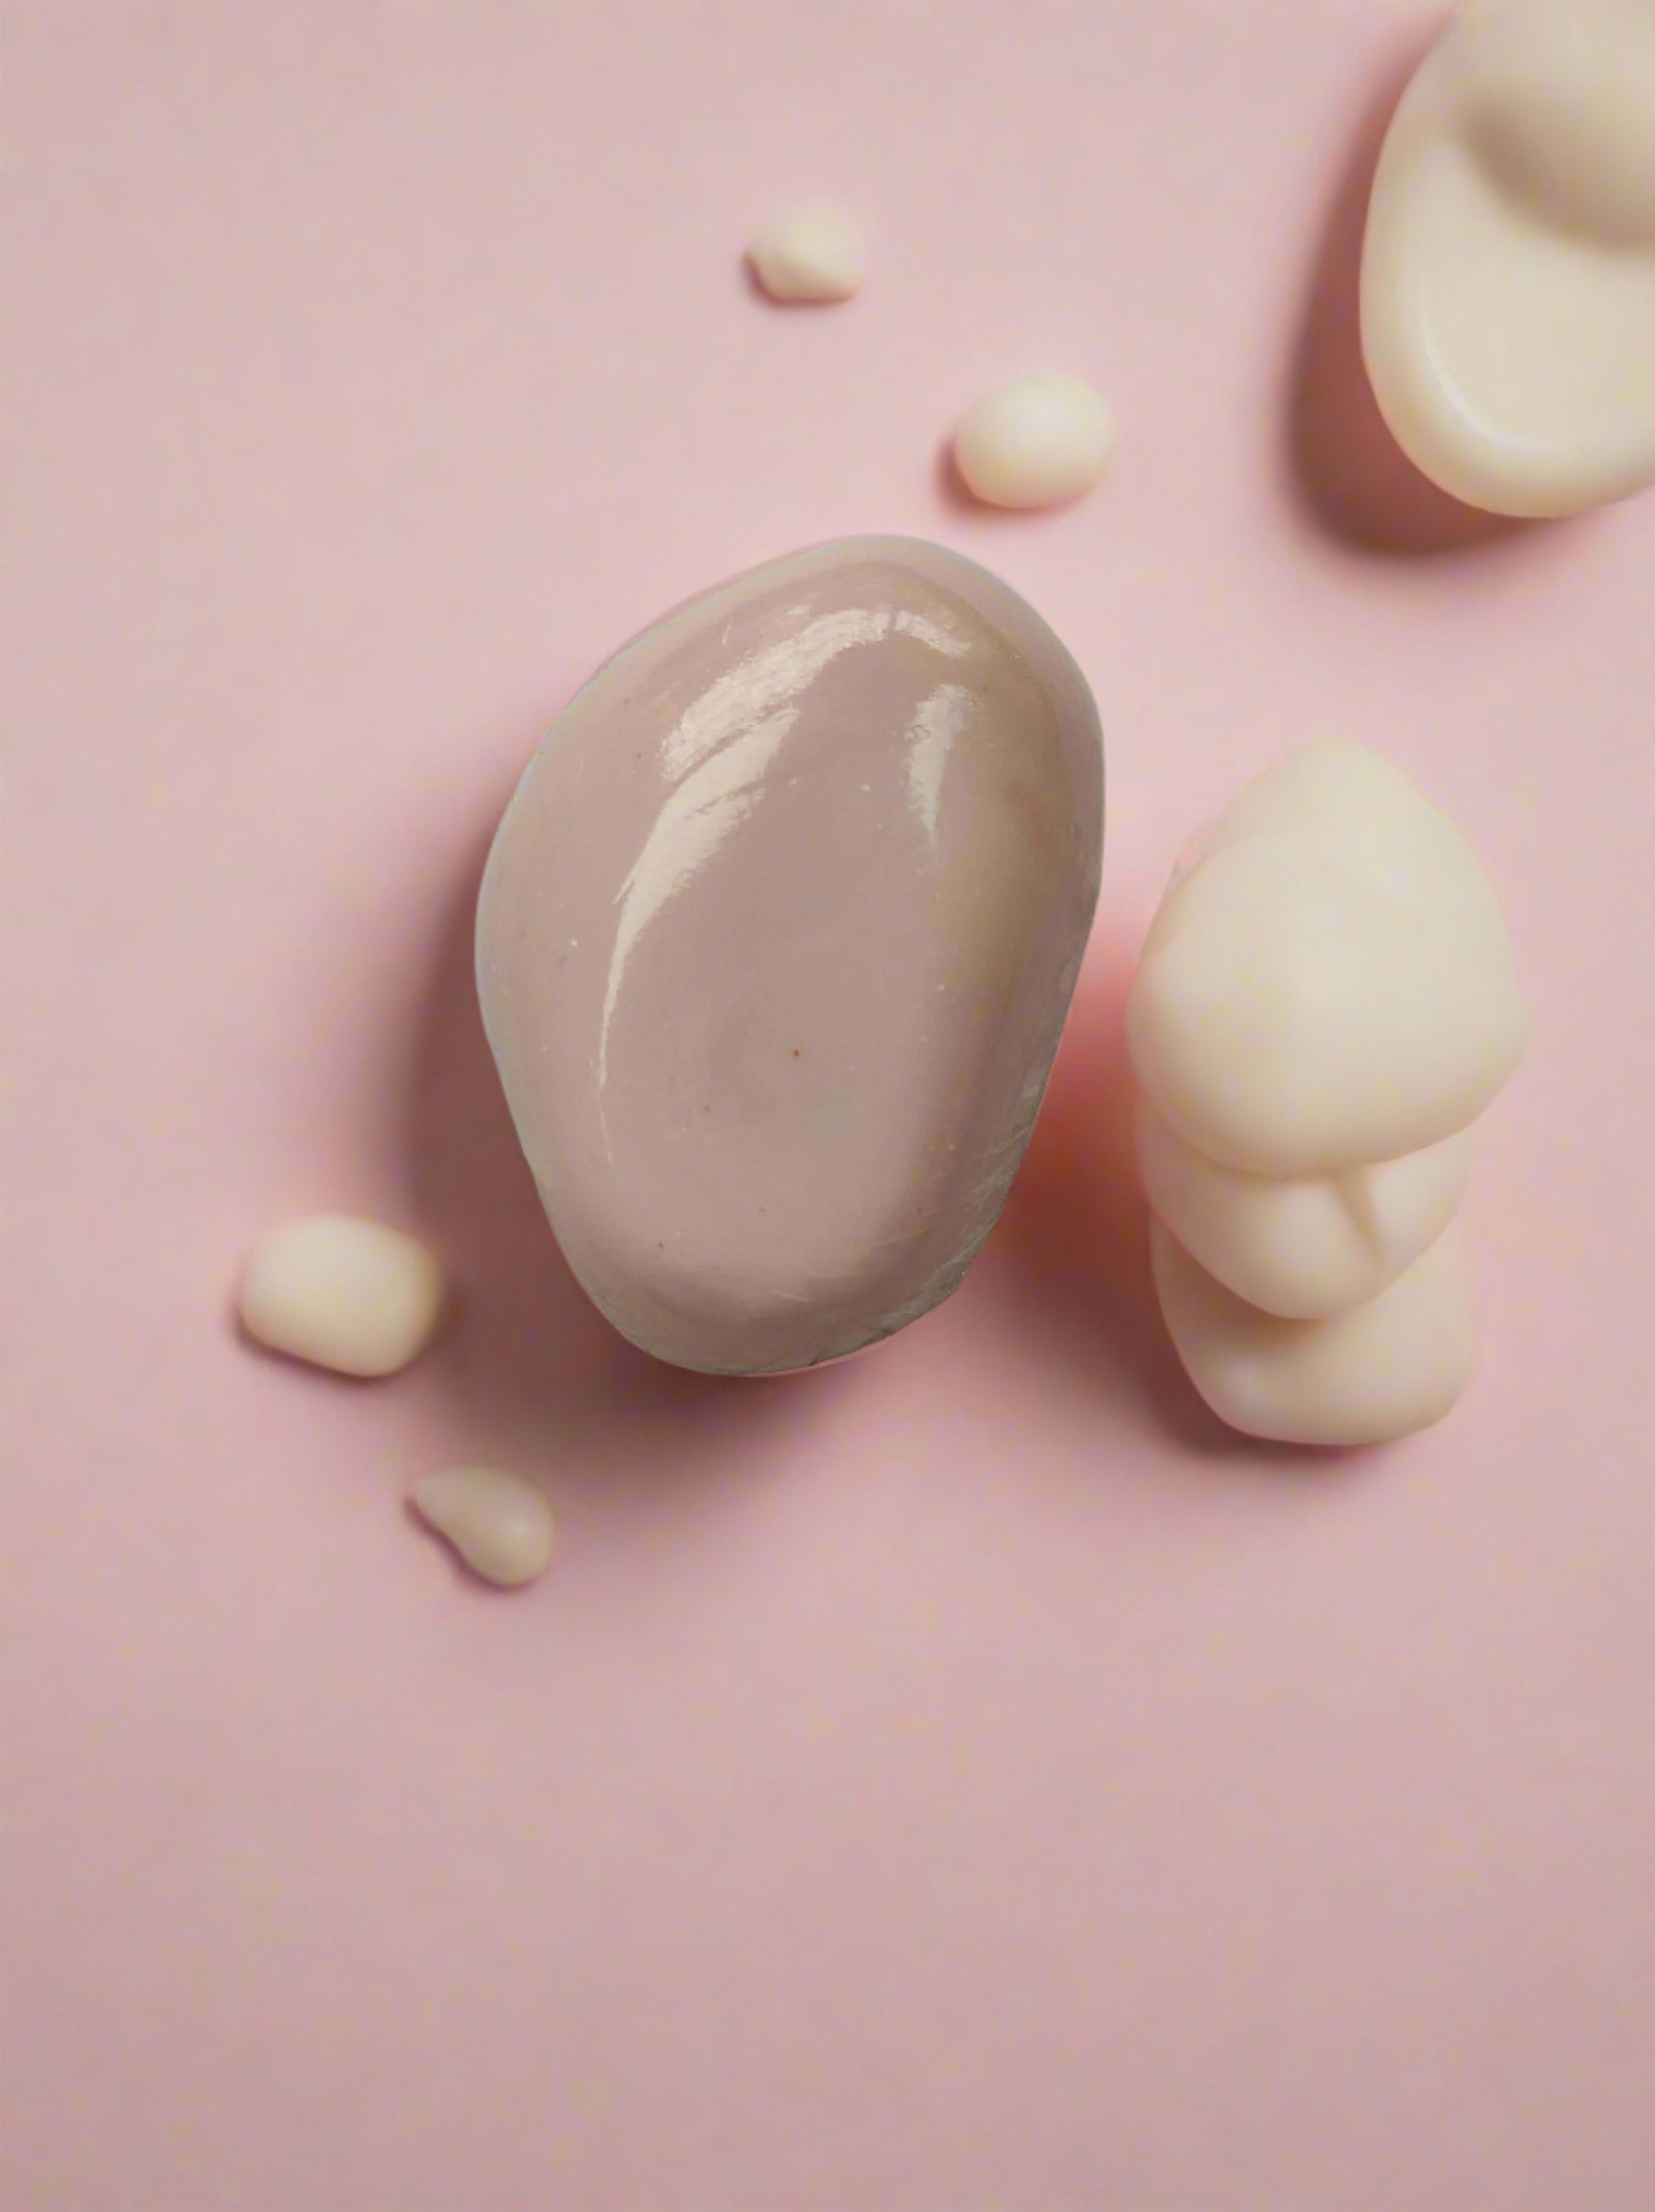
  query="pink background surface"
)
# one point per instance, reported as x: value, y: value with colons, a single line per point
x: 965, y: 1778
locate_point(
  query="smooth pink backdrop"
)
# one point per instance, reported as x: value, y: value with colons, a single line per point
x: 964, y: 1780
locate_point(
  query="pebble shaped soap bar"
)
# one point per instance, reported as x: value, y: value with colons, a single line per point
x: 776, y: 941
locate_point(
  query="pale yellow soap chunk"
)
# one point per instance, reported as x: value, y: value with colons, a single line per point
x: 343, y: 1293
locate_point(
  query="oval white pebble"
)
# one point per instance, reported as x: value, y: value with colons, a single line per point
x: 1035, y: 441
x: 810, y: 252
x: 500, y: 1525
x: 343, y: 1293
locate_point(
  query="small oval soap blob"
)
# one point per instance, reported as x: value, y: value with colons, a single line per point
x: 776, y: 941
x: 1328, y: 982
x: 1035, y: 442
x: 1304, y: 1248
x: 1383, y: 1370
x: 500, y: 1525
x: 343, y: 1293
x: 1508, y: 266
x: 813, y: 251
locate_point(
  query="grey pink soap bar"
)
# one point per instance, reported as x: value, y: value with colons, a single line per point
x: 776, y: 941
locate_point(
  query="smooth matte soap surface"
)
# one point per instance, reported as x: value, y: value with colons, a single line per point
x: 1381, y: 1370
x: 1328, y: 981
x: 1309, y: 1247
x: 776, y: 943
x: 1508, y: 274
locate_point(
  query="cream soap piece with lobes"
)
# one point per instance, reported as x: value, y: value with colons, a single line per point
x: 1508, y: 264
x: 1328, y: 981
x: 776, y: 941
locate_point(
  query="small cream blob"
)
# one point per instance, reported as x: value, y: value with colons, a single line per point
x: 1305, y: 1248
x: 500, y: 1525
x: 1388, y: 1368
x: 1035, y: 442
x: 1508, y: 265
x: 343, y: 1293
x: 811, y: 252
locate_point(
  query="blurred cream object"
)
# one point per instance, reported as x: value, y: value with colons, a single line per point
x: 1379, y: 1372
x: 343, y: 1293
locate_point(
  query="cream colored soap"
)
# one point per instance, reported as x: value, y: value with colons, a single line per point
x: 776, y: 945
x: 499, y: 1524
x: 343, y: 1293
x: 1508, y: 271
x: 813, y: 251
x: 1307, y: 1246
x: 1328, y: 982
x: 1035, y: 442
x: 1390, y: 1367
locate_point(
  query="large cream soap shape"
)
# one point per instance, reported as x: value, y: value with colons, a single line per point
x: 1381, y: 1372
x: 776, y: 941
x: 1508, y: 269
x: 1328, y: 983
x: 1307, y: 1246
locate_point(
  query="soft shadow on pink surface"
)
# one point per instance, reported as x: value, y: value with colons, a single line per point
x: 1074, y: 1240
x: 1354, y: 479
x: 526, y: 1353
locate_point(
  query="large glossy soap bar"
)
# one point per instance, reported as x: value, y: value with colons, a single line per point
x: 1508, y: 268
x: 1329, y: 981
x: 776, y: 941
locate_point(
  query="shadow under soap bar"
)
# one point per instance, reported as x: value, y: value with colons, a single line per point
x: 775, y: 942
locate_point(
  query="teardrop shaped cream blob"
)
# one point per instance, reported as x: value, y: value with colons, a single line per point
x: 1508, y: 269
